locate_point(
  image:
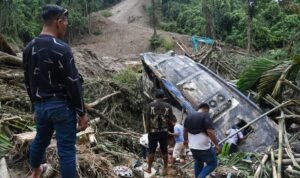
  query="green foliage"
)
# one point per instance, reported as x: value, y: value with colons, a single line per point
x: 20, y: 20
x: 5, y: 144
x: 106, y: 13
x: 273, y: 26
x: 127, y: 77
x: 161, y: 43
x: 167, y: 43
x: 155, y: 42
x: 250, y: 77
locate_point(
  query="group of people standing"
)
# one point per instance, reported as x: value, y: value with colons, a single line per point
x: 197, y: 133
x: 55, y: 90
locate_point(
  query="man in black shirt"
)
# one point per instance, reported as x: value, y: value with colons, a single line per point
x: 199, y: 133
x: 55, y: 90
x: 158, y: 118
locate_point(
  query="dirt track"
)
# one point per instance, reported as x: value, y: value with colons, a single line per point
x: 116, y: 38
x: 130, y: 11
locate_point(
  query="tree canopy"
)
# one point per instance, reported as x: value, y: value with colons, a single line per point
x: 274, y: 24
x: 20, y: 20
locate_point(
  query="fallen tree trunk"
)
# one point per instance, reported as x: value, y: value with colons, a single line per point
x: 10, y: 59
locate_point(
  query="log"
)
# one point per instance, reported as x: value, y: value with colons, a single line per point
x: 3, y: 169
x: 99, y: 100
x: 10, y: 59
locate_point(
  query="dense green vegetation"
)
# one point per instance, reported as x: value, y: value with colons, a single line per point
x: 273, y: 24
x: 20, y: 20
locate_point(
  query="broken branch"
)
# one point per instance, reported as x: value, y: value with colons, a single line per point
x: 10, y: 59
x: 99, y: 100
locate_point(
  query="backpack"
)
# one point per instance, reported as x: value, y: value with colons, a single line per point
x: 159, y: 120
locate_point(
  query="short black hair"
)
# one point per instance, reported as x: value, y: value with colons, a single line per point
x: 173, y: 118
x: 203, y: 105
x: 159, y: 93
x: 53, y: 12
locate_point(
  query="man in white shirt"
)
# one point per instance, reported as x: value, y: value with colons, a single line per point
x: 233, y: 141
x: 199, y: 133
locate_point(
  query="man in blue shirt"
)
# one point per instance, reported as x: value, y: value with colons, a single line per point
x: 54, y: 87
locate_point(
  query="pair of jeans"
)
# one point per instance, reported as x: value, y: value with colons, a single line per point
x: 55, y: 115
x: 204, y: 156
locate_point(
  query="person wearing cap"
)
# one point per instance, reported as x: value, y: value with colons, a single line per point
x: 198, y: 134
x: 55, y: 89
x: 158, y: 118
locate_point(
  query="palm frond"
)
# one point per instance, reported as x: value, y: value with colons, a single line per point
x: 270, y: 78
x: 250, y: 77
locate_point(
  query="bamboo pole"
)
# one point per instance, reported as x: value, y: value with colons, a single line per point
x: 293, y: 171
x: 274, y: 172
x: 288, y: 149
x: 280, y: 146
x: 297, y: 135
x: 289, y: 161
x: 262, y: 163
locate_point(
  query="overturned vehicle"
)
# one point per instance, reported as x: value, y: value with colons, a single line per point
x: 187, y: 84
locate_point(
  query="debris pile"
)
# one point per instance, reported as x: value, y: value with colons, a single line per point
x: 114, y: 107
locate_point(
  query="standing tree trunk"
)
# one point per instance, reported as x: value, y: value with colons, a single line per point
x: 251, y: 9
x: 88, y: 16
x: 210, y: 29
x: 154, y: 20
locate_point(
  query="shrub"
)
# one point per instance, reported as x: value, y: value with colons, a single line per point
x: 106, y: 13
x: 167, y: 43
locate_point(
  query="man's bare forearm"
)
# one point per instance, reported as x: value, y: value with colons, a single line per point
x: 212, y: 136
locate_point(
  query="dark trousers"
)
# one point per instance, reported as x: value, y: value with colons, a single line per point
x: 55, y: 115
x: 204, y: 156
x: 158, y: 137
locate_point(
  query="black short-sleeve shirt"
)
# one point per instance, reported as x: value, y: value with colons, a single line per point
x: 198, y: 122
